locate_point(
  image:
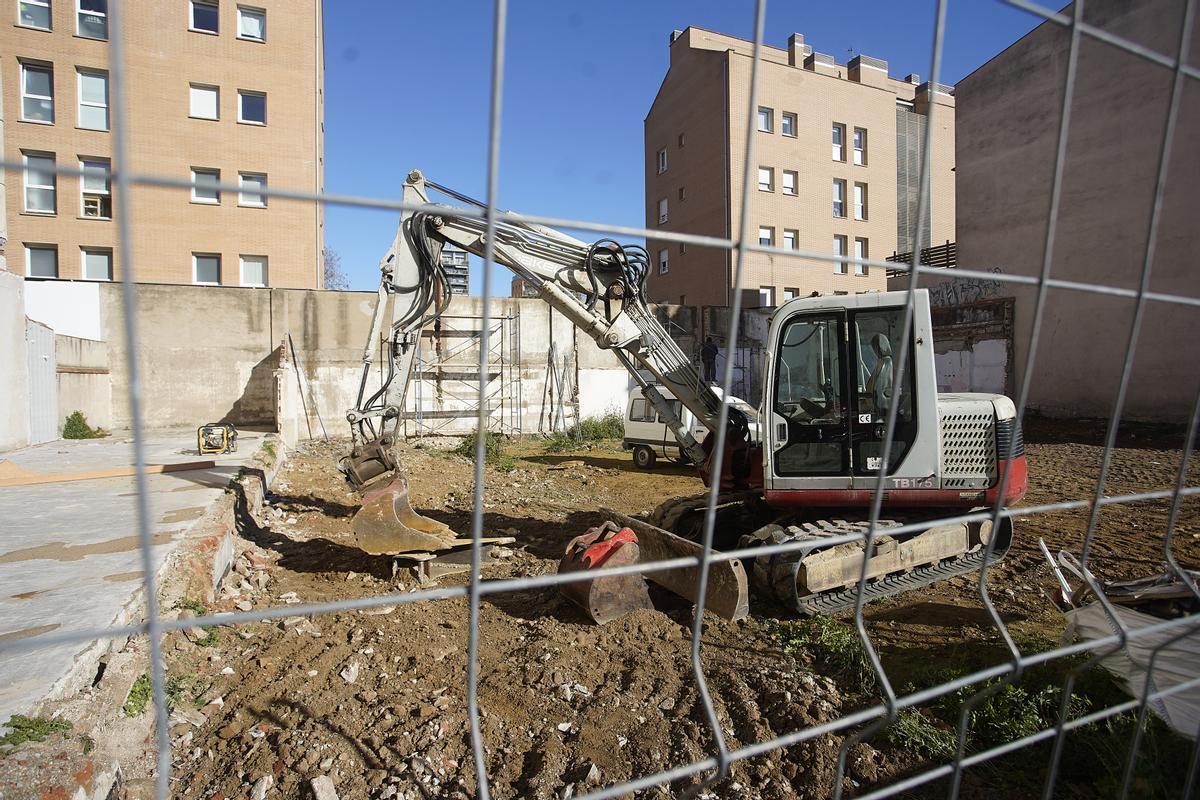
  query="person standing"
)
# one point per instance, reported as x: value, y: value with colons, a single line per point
x: 708, y: 356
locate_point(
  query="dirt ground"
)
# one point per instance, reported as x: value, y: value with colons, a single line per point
x: 376, y: 700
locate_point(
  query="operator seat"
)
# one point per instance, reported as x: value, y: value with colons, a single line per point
x: 879, y: 384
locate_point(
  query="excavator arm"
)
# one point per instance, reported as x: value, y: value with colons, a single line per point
x: 599, y: 287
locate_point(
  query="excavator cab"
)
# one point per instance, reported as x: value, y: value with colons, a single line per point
x: 832, y: 377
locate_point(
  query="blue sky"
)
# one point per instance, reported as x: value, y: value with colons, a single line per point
x: 407, y: 85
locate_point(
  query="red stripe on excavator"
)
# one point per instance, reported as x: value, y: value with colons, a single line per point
x: 825, y: 498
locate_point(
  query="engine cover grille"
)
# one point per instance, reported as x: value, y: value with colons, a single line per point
x: 968, y: 445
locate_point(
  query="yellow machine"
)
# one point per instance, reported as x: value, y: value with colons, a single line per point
x: 216, y: 437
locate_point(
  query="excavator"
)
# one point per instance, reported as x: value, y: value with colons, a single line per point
x: 808, y: 478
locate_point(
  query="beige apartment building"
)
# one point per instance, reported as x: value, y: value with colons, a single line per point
x: 836, y: 166
x: 217, y: 91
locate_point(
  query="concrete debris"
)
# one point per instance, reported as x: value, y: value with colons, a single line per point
x: 244, y: 605
x: 496, y: 551
x: 189, y: 716
x: 259, y: 791
x: 289, y: 598
x: 350, y: 673
x: 323, y: 788
x: 379, y: 612
x: 593, y: 775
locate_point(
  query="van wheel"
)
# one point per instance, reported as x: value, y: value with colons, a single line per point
x: 644, y: 457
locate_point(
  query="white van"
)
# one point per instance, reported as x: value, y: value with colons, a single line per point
x: 647, y: 434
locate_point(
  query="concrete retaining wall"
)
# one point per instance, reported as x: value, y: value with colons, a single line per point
x: 84, y: 380
x: 210, y: 354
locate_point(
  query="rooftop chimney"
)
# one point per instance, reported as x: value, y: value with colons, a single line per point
x: 913, y: 78
x: 797, y: 50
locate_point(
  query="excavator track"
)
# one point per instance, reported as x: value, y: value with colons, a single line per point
x: 670, y: 513
x: 776, y: 575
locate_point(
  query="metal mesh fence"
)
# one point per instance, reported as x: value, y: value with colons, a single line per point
x: 858, y: 725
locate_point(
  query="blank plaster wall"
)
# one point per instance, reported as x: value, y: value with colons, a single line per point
x: 14, y: 383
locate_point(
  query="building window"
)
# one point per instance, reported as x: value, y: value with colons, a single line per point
x: 766, y: 119
x: 34, y: 14
x: 839, y: 142
x: 662, y: 211
x: 93, y: 100
x: 860, y: 201
x: 789, y: 240
x: 95, y: 189
x: 41, y: 261
x: 662, y: 161
x: 860, y: 146
x: 204, y: 102
x: 37, y: 92
x: 839, y: 197
x: 839, y: 249
x: 251, y: 186
x: 766, y: 236
x: 788, y: 124
x: 204, y: 186
x: 252, y: 108
x: 41, y: 192
x: 206, y: 268
x: 682, y: 193
x: 97, y: 263
x: 790, y: 293
x: 92, y: 19
x: 766, y: 179
x: 682, y: 248
x: 789, y: 182
x: 682, y: 140
x: 860, y: 254
x: 252, y: 24
x: 254, y: 270
x: 663, y: 266
x: 766, y: 295
x: 204, y: 17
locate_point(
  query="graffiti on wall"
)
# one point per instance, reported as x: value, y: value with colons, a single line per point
x: 964, y: 290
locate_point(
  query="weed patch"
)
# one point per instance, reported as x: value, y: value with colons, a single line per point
x: 832, y: 646
x: 493, y: 451
x: 184, y: 691
x: 31, y: 729
x: 920, y: 735
x: 76, y: 427
x: 593, y: 429
x: 139, y: 696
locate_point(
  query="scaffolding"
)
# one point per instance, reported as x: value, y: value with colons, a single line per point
x: 446, y: 392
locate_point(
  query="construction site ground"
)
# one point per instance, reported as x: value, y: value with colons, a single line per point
x: 376, y: 699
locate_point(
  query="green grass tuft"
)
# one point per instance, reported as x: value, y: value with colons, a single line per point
x: 31, y: 729
x: 922, y: 736
x: 139, y: 696
x: 833, y: 646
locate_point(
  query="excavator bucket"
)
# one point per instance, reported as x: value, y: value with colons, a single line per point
x: 611, y: 596
x: 387, y: 524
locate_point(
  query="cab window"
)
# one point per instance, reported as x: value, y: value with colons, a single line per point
x: 877, y: 336
x: 640, y: 410
x: 810, y: 396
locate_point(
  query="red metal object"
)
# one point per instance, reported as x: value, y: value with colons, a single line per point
x: 1018, y: 483
x: 611, y: 596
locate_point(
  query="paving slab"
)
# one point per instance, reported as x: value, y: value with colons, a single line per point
x: 70, y: 556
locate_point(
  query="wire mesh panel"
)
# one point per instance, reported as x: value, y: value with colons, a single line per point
x: 976, y: 697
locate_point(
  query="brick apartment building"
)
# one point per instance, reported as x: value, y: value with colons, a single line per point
x: 215, y: 90
x: 837, y: 168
